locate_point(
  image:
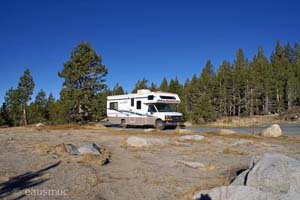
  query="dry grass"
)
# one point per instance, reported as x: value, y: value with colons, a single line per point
x: 231, y: 122
x: 42, y: 148
x: 223, y: 179
x: 256, y: 138
x: 203, y: 141
x: 74, y: 127
x: 228, y: 150
x: 50, y: 149
x: 234, y: 135
x: 153, y: 181
x: 101, y: 159
x: 60, y: 150
x: 216, y: 182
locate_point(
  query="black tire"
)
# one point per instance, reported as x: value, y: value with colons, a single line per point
x: 159, y: 124
x: 123, y: 123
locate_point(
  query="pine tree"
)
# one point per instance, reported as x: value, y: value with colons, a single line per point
x: 206, y: 78
x: 185, y: 104
x: 4, y: 115
x: 164, y: 85
x: 100, y: 104
x: 260, y: 83
x: 296, y: 79
x: 204, y: 108
x: 175, y: 86
x: 118, y: 90
x: 224, y: 89
x: 84, y: 77
x: 50, y: 104
x: 25, y: 90
x: 13, y: 107
x: 153, y: 87
x: 57, y: 112
x: 37, y: 110
x: 193, y: 93
x: 141, y: 84
x: 240, y: 83
x: 291, y: 77
x: 279, y: 73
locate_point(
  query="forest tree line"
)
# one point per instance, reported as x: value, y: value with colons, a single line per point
x: 244, y: 87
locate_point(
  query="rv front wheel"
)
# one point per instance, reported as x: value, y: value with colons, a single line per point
x: 123, y: 123
x: 159, y: 124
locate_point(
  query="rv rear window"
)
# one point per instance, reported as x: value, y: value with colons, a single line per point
x: 113, y: 105
x: 138, y: 105
x: 167, y: 97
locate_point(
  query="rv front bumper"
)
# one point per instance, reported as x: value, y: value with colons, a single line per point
x: 170, y: 123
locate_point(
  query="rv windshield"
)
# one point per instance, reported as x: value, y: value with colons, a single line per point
x: 162, y: 107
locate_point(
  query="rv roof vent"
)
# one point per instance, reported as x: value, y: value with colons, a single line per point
x: 143, y: 91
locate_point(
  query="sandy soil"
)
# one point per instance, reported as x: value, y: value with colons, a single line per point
x: 30, y: 161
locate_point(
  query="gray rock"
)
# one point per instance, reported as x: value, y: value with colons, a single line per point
x: 191, y: 164
x: 234, y: 193
x: 134, y: 141
x: 272, y: 131
x: 89, y: 149
x: 71, y: 149
x: 274, y: 173
x: 182, y: 131
x: 290, y: 196
x: 191, y: 137
x: 241, y: 142
x: 39, y: 125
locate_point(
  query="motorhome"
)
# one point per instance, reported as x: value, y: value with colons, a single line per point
x: 144, y: 108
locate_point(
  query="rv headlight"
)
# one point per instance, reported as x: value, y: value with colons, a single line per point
x: 168, y: 117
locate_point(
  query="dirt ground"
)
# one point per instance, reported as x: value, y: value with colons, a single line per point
x: 30, y: 161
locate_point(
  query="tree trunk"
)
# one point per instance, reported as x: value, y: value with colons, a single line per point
x: 267, y: 104
x: 257, y: 107
x: 24, y: 117
x: 278, y: 100
x: 251, y: 103
x: 289, y: 99
x: 239, y: 105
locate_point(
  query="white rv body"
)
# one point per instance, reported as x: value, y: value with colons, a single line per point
x: 144, y: 108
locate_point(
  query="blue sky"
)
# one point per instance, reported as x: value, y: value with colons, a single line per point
x: 137, y: 39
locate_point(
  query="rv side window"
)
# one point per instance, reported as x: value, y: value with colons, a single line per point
x: 167, y: 97
x: 132, y: 102
x: 150, y: 97
x: 151, y: 109
x: 138, y: 105
x: 113, y: 105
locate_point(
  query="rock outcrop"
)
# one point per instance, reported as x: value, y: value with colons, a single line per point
x: 272, y: 131
x: 234, y: 193
x: 134, y: 141
x: 271, y: 176
x: 191, y: 137
x: 272, y: 172
x: 90, y: 148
